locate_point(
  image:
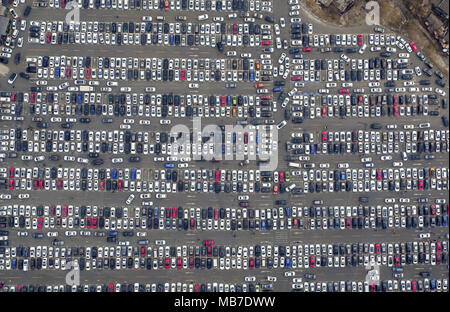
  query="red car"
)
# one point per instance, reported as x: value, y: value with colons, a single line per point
x: 32, y: 97
x: 68, y: 73
x: 312, y: 261
x: 344, y: 90
x: 64, y: 211
x: 41, y: 184
x: 438, y: 247
x: 63, y: 5
x: 166, y: 4
x: 11, y: 184
x: 119, y: 185
x: 433, y: 210
x: 111, y: 288
x: 59, y: 184
x: 251, y: 263
x: 395, y: 111
x: 265, y: 43
x: 217, y: 175
x: 235, y: 29
x: 275, y: 189
x: 183, y: 75
x: 167, y: 263
x: 192, y: 224
x: 87, y: 73
x: 174, y: 212
x: 378, y: 174
x: 48, y: 38
x: 324, y: 112
x: 347, y: 223
x: 179, y: 263
x: 222, y: 100
x: 102, y: 185
x: 413, y: 46
x: 40, y: 221
x: 420, y: 182
x: 377, y: 249
x: 208, y: 242
x: 324, y: 137
x: 281, y: 176
x: 360, y: 39
x: 307, y: 49
x: 414, y: 286
x: 296, y: 78
x: 245, y: 137
x: 35, y: 184
x: 142, y: 251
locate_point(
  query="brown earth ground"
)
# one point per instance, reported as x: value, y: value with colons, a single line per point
x: 395, y: 15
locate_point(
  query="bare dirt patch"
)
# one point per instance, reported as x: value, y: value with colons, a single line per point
x: 395, y: 15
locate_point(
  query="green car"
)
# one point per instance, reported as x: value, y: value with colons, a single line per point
x: 287, y: 176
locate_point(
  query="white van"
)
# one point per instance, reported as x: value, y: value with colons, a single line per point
x: 296, y: 165
x: 203, y: 17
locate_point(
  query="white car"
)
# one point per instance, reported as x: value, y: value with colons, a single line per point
x: 130, y: 199
x: 424, y: 235
x: 440, y: 91
x: 193, y: 86
x: 23, y: 196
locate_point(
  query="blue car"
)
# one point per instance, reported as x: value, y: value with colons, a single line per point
x: 288, y: 212
x: 444, y: 220
x: 343, y: 175
x: 57, y: 72
x: 133, y: 174
x: 172, y: 40
x: 252, y: 76
x: 263, y: 225
x: 114, y: 173
x: 169, y: 165
x: 432, y: 284
x: 287, y: 263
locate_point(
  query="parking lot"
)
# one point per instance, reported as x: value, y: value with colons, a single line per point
x: 340, y: 164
